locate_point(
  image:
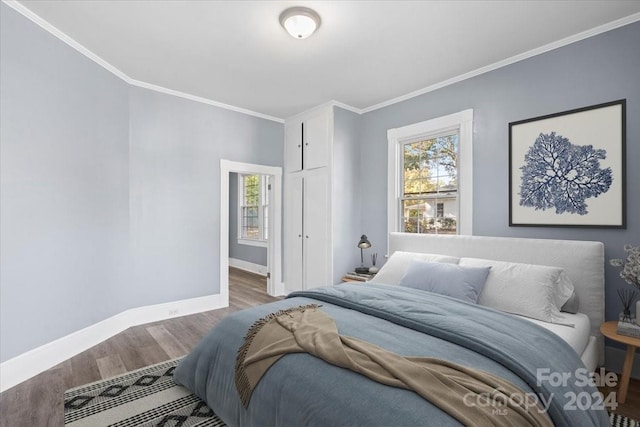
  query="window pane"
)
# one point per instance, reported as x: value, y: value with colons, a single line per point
x: 250, y: 222
x: 447, y: 147
x: 447, y: 183
x: 251, y: 189
x: 429, y: 199
x: 410, y: 225
x: 427, y: 226
x: 448, y: 225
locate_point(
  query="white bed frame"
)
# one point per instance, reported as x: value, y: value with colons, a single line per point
x: 583, y: 262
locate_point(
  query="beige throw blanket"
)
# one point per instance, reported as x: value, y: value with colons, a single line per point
x: 449, y: 386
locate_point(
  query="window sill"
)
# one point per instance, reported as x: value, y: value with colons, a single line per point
x: 251, y: 242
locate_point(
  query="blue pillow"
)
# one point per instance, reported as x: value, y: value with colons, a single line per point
x: 454, y: 280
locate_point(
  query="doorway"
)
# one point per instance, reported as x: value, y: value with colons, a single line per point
x: 272, y: 218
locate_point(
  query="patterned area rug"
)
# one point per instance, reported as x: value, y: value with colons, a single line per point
x: 145, y: 397
x: 620, y: 421
x: 149, y: 397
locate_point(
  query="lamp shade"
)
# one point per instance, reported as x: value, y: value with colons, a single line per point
x: 300, y: 22
x: 364, y: 242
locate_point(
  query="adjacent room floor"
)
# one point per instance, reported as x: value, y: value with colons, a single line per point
x: 38, y: 401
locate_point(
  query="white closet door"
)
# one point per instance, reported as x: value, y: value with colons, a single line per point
x: 294, y: 279
x: 293, y: 146
x: 316, y: 141
x: 317, y: 239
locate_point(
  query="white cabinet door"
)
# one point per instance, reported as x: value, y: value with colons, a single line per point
x: 293, y: 146
x: 316, y: 139
x: 317, y: 239
x: 293, y: 263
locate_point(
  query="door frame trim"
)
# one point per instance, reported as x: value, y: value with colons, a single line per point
x: 275, y: 286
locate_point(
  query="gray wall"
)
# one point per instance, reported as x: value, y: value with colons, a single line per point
x: 64, y: 178
x: 599, y: 69
x: 110, y: 194
x: 253, y: 254
x: 346, y: 194
x: 176, y: 147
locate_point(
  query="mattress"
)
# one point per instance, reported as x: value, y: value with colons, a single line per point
x: 577, y: 336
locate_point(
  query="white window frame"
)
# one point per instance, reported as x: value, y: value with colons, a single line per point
x: 463, y: 123
x: 262, y: 185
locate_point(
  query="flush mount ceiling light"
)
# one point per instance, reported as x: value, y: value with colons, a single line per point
x: 299, y: 21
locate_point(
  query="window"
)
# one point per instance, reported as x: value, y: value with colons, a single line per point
x: 430, y: 170
x: 253, y: 209
x: 429, y: 182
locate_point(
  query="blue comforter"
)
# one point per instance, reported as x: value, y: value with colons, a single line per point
x: 303, y: 390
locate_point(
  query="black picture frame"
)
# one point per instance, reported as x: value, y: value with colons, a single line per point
x: 568, y: 169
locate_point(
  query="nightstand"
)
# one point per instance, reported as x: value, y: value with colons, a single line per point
x: 608, y: 329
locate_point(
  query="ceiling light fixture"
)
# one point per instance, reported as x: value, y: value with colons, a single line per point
x: 299, y: 21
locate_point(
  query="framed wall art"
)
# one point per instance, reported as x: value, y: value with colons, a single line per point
x: 568, y: 169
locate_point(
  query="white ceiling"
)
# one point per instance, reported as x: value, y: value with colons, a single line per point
x: 365, y: 52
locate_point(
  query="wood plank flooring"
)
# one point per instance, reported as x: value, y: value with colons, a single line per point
x: 38, y: 401
x: 631, y: 407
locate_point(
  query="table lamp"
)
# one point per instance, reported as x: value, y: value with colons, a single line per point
x: 363, y: 244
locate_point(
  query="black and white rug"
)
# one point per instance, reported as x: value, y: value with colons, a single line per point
x: 145, y: 397
x: 149, y: 397
x: 621, y: 421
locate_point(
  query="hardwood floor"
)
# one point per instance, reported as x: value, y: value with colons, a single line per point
x: 631, y: 407
x: 38, y: 401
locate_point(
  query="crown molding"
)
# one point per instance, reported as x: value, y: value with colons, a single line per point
x: 533, y: 52
x: 207, y: 101
x: 332, y: 103
x: 36, y: 19
x: 347, y: 107
x: 47, y: 26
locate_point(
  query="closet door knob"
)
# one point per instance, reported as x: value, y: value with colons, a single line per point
x: 299, y: 235
x: 299, y: 145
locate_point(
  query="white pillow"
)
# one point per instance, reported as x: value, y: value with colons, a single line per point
x: 525, y: 289
x: 564, y: 289
x: 397, y: 264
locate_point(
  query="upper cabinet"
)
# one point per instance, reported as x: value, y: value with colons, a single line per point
x: 307, y: 141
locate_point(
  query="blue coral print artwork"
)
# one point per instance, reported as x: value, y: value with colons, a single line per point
x: 560, y: 175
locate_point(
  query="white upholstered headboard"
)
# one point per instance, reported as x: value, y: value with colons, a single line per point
x: 583, y: 262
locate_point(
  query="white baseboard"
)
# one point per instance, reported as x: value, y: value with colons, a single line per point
x: 248, y: 266
x: 27, y: 365
x: 614, y: 360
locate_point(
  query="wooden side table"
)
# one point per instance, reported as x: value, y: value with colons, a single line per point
x: 608, y: 329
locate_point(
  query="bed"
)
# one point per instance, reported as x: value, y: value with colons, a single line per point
x: 301, y: 389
